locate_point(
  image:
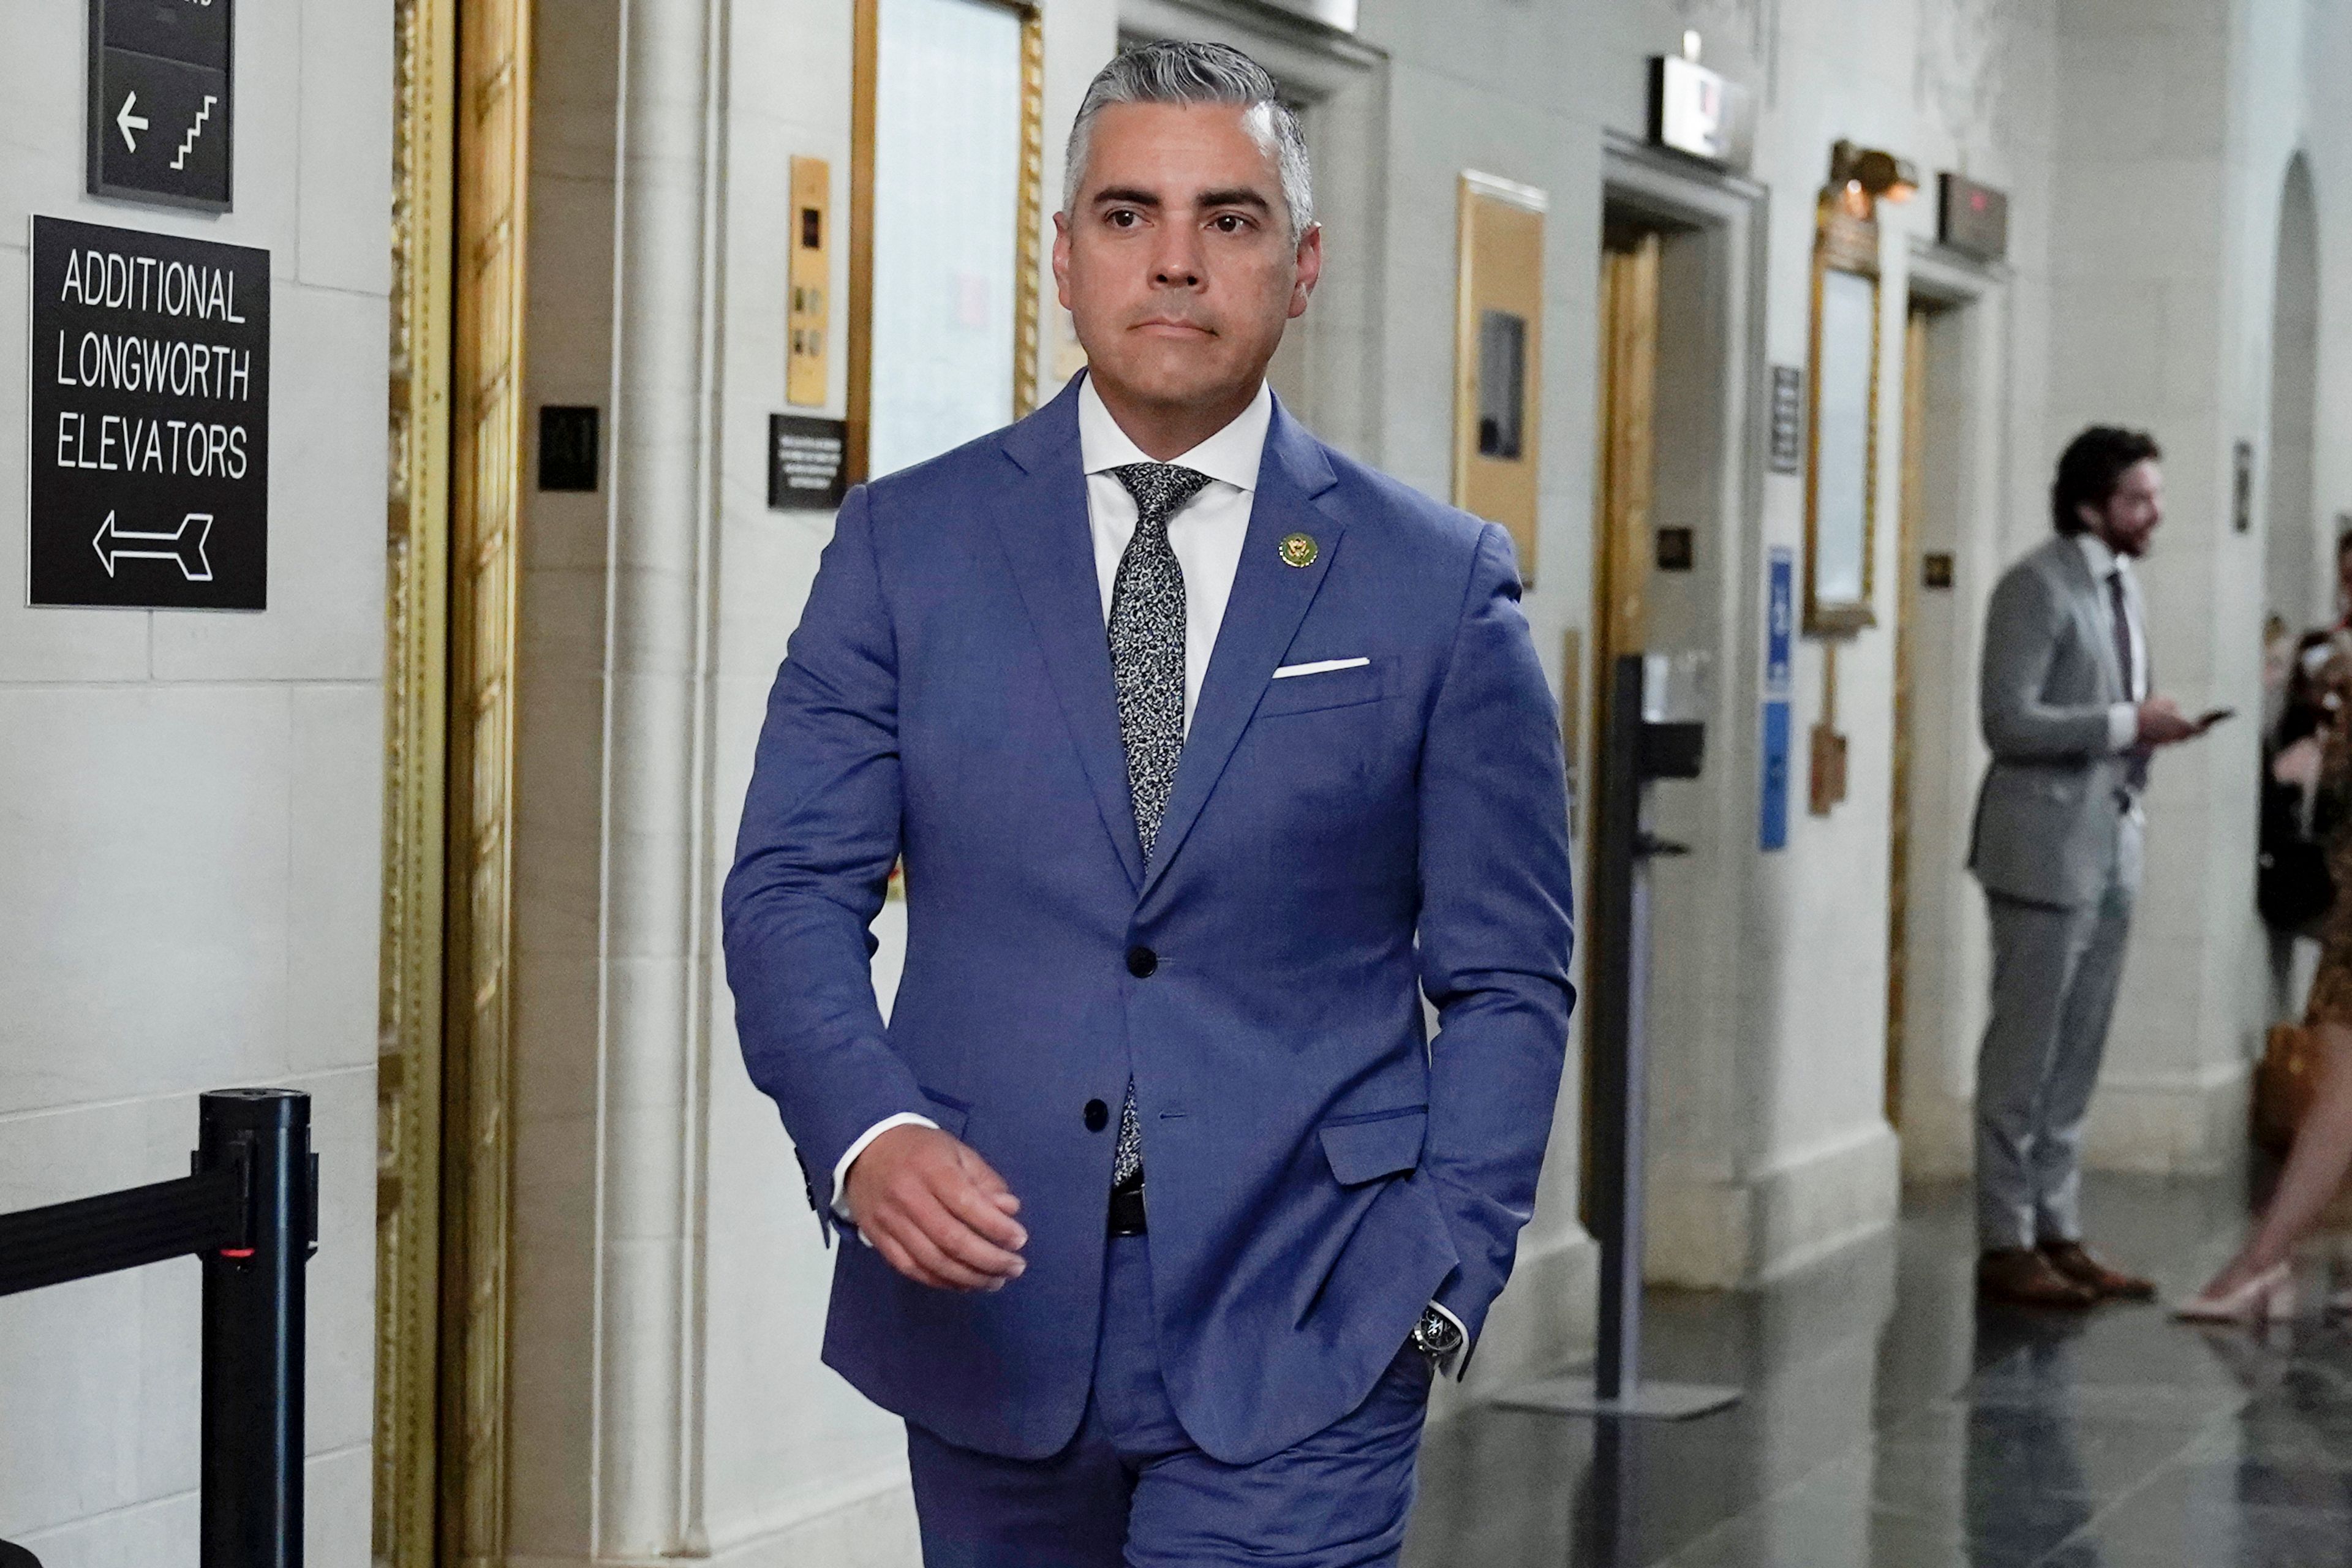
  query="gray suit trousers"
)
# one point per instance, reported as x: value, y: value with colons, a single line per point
x: 2055, y: 970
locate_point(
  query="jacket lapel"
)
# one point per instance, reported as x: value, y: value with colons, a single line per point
x: 1042, y: 524
x: 2093, y: 609
x: 1269, y: 599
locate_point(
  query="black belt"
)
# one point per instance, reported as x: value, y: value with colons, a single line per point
x: 1126, y: 1210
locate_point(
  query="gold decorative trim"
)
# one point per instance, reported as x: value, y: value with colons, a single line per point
x: 1027, y: 265
x: 408, y: 1075
x: 486, y: 443
x: 1028, y: 260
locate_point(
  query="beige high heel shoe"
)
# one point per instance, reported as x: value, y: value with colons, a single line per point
x: 2268, y: 1297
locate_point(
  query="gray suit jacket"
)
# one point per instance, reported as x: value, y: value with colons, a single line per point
x: 2047, y: 825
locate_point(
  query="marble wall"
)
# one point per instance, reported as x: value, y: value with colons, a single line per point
x: 189, y: 826
x: 2177, y: 123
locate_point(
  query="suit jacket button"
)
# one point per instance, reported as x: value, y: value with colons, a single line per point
x: 1141, y: 961
x: 1097, y: 1115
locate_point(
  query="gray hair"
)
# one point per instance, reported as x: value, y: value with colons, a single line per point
x: 1176, y: 71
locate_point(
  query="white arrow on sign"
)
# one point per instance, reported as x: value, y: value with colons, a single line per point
x: 185, y: 545
x: 126, y: 122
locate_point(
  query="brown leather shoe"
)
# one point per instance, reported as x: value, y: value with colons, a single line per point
x: 2069, y: 1258
x: 2022, y: 1277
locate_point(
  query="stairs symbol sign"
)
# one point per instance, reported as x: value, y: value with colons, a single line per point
x: 189, y: 141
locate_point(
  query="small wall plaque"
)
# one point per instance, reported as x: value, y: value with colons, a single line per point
x: 1772, y: 825
x: 1780, y: 621
x: 567, y: 449
x: 1673, y: 549
x: 1935, y: 568
x: 804, y: 462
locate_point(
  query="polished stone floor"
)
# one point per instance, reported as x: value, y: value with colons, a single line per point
x: 1888, y: 1422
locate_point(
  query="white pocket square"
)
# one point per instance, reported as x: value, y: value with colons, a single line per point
x: 1320, y: 667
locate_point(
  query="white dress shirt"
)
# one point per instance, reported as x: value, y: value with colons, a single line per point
x: 2123, y: 719
x: 1206, y: 532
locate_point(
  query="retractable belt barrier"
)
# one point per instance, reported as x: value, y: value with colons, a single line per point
x: 249, y: 1213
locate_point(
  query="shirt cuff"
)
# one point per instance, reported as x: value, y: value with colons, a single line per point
x: 1461, y: 1354
x: 850, y: 1158
x: 2123, y: 726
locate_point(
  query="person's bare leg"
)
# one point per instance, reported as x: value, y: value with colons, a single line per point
x: 2314, y: 1167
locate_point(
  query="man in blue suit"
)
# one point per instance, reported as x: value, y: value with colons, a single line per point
x: 1208, y: 752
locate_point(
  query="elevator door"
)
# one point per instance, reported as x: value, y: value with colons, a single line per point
x: 1907, y: 570
x: 444, y: 1120
x: 1625, y: 465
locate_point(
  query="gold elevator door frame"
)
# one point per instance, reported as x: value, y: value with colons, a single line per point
x: 461, y: 145
x: 1623, y: 492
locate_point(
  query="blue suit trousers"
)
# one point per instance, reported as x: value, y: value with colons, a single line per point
x: 1131, y: 1488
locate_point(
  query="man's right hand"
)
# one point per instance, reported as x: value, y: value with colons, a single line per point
x: 935, y: 1211
x: 2162, y: 723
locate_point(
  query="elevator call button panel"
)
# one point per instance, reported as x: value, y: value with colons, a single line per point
x: 810, y: 305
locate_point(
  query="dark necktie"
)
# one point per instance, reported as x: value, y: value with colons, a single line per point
x: 1147, y: 664
x: 2122, y: 618
x: 2135, y: 768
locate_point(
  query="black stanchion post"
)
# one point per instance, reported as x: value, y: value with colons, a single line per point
x: 1642, y: 741
x: 251, y: 1464
x: 1612, y: 1033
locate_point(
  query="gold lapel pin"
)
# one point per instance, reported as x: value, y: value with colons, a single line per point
x: 1298, y: 550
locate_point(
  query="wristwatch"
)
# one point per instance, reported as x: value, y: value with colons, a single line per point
x: 1438, y: 1337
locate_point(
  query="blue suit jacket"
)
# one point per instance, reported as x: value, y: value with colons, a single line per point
x: 1318, y: 1169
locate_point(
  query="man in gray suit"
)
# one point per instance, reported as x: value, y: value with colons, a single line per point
x: 2070, y: 713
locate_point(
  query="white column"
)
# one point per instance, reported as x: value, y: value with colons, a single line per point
x: 653, y: 926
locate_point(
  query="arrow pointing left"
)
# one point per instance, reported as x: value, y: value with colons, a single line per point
x: 126, y: 122
x: 185, y: 545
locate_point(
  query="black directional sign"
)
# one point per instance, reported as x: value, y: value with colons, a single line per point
x: 160, y: 100
x: 150, y: 443
x: 805, y: 463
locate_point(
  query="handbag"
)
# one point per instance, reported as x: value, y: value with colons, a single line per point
x: 2293, y: 886
x: 2284, y: 1084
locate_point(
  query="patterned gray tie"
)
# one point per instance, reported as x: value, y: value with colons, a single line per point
x: 1147, y: 664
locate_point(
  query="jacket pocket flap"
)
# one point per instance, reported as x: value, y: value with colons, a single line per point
x: 1365, y: 1148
